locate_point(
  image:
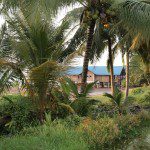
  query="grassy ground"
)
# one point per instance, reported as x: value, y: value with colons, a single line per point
x: 112, y: 133
x: 45, y: 138
x: 101, y: 98
x: 136, y: 93
x: 128, y: 132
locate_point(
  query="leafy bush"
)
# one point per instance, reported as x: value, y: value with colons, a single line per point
x: 72, y: 99
x: 20, y: 110
x: 140, y: 96
x: 116, y: 98
x: 137, y: 91
x: 104, y: 133
x: 82, y: 106
x: 107, y: 132
x: 73, y: 121
x: 99, y: 132
x: 144, y: 99
x: 103, y: 110
x: 132, y: 83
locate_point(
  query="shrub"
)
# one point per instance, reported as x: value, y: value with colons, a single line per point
x: 108, y: 132
x: 103, y: 110
x: 104, y: 133
x: 130, y: 100
x: 73, y: 121
x: 137, y: 91
x: 21, y: 111
x: 145, y: 98
x: 98, y: 133
x: 140, y: 96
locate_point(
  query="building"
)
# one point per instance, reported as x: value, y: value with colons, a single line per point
x: 99, y: 74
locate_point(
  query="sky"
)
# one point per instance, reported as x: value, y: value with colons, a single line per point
x: 79, y: 61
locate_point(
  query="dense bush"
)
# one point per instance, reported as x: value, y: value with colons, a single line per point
x: 103, y: 110
x: 141, y: 96
x: 137, y: 91
x: 20, y: 110
x: 105, y: 132
x: 103, y: 129
x: 72, y: 121
x: 144, y: 99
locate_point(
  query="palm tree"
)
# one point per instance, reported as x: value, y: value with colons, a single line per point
x: 124, y: 45
x: 94, y: 8
x: 36, y: 48
x: 140, y: 65
x: 111, y: 65
x: 134, y: 15
x: 116, y: 99
x: 127, y: 74
x: 94, y: 17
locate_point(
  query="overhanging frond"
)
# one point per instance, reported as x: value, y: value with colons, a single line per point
x: 135, y: 16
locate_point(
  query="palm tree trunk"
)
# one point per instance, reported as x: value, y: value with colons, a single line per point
x: 111, y: 66
x: 90, y: 34
x: 127, y: 75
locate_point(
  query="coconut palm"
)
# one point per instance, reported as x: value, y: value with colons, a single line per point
x: 134, y: 15
x: 128, y: 15
x: 90, y: 15
x: 95, y: 11
x: 124, y: 45
x: 36, y: 48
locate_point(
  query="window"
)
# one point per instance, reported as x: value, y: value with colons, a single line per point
x: 89, y: 76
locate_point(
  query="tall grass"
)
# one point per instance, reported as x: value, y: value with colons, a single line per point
x: 55, y: 137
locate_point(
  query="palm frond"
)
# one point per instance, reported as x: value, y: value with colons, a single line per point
x: 67, y: 107
x: 135, y: 16
x: 108, y: 95
x: 75, y: 42
x: 118, y: 98
x: 73, y: 16
x: 7, y: 78
x: 89, y: 87
x: 73, y: 86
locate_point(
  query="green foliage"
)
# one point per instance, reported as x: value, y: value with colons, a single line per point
x: 111, y: 133
x: 80, y: 133
x: 33, y: 44
x: 141, y: 96
x: 49, y: 136
x: 102, y: 110
x: 78, y: 101
x: 139, y: 70
x: 134, y: 15
x: 132, y: 83
x: 143, y: 99
x: 82, y: 106
x: 36, y: 46
x: 68, y: 86
x: 117, y: 98
x: 21, y: 111
x: 137, y: 91
x: 72, y: 121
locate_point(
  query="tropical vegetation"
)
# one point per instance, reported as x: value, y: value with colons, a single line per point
x: 50, y: 111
